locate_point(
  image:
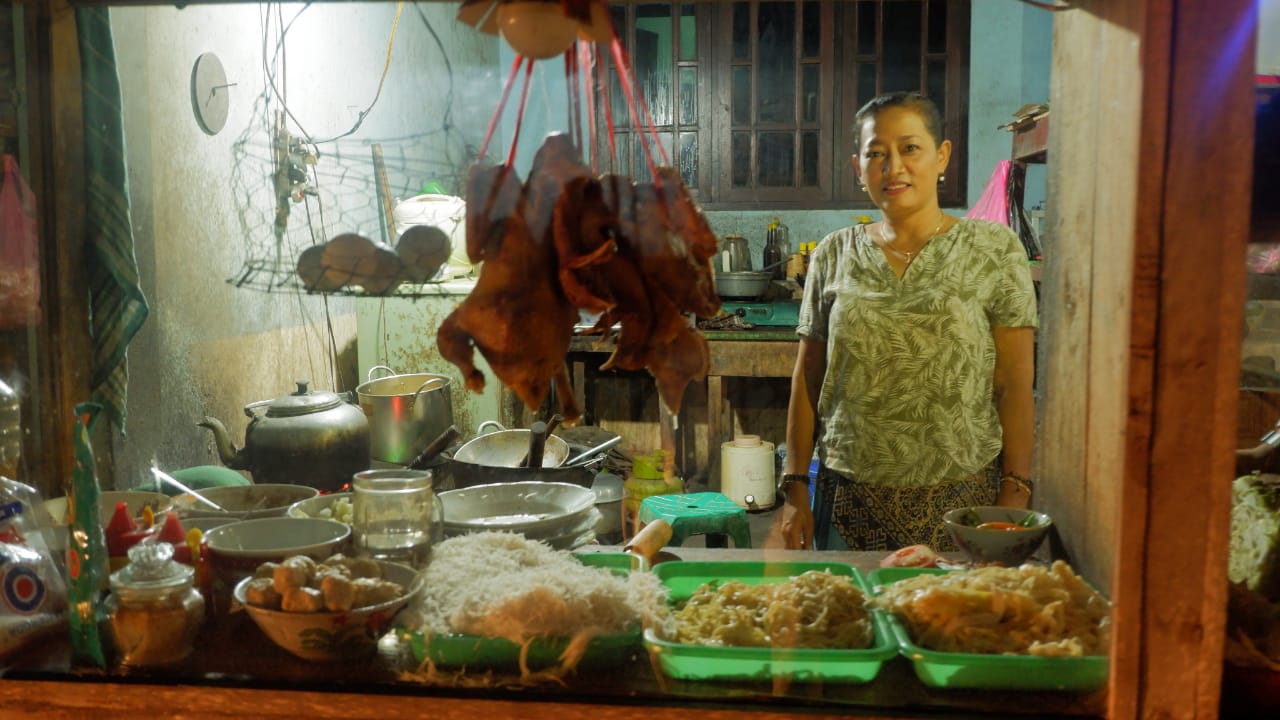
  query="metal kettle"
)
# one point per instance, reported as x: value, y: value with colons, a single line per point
x: 734, y: 254
x: 309, y: 437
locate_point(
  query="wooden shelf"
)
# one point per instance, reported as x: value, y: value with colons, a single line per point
x: 1031, y: 141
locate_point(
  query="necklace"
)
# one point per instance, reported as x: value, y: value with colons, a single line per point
x: 908, y: 257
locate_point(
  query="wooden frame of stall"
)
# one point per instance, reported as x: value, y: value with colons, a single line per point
x: 1144, y: 296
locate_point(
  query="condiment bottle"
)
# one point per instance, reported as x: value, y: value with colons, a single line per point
x: 782, y: 239
x: 10, y: 431
x: 773, y: 253
x: 154, y: 608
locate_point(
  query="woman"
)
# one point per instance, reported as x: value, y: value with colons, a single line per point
x: 915, y: 369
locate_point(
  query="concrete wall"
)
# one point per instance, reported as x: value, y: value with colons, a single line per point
x: 204, y: 208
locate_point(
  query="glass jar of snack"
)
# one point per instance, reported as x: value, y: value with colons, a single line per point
x: 154, y: 607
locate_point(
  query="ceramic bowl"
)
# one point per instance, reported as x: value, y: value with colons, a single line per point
x: 322, y: 506
x: 537, y: 507
x: 134, y: 500
x: 327, y: 636
x: 245, y: 502
x: 237, y: 549
x: 1004, y: 546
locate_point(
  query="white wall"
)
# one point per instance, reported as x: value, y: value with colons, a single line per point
x: 204, y: 208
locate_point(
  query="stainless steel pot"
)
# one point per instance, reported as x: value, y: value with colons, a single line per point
x: 742, y: 285
x: 406, y: 412
x: 451, y: 474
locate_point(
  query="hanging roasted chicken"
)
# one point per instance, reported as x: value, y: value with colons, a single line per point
x: 637, y: 254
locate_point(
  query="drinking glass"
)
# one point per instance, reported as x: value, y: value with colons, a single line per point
x: 395, y: 515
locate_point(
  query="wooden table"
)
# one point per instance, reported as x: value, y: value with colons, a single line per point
x: 237, y: 672
x: 761, y: 353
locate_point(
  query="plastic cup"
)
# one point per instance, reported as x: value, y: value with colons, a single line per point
x: 395, y: 515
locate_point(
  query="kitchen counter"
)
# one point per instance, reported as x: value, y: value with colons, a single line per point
x: 764, y: 352
x: 237, y: 668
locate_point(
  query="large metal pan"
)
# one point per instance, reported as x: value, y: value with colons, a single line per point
x: 451, y: 474
x: 506, y: 448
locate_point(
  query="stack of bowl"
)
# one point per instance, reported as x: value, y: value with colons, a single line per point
x: 563, y: 515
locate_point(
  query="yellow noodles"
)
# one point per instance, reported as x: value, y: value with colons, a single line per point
x: 812, y: 610
x: 1028, y: 610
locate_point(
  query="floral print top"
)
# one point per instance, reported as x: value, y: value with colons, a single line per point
x: 907, y: 399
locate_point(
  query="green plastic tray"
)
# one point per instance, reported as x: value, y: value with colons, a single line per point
x: 459, y: 650
x: 705, y: 662
x: 980, y: 670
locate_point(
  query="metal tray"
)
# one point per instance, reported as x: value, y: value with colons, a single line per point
x: 986, y: 671
x: 704, y: 662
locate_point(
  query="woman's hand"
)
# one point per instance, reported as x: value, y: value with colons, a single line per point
x: 794, y: 524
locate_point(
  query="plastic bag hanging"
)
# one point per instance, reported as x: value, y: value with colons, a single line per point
x: 19, y: 251
x: 994, y: 203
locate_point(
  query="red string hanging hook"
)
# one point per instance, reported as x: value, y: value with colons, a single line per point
x: 524, y: 98
x: 502, y: 103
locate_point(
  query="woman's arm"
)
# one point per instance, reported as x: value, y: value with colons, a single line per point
x: 1015, y: 402
x: 806, y: 382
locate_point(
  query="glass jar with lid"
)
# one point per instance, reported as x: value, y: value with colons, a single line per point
x: 154, y: 607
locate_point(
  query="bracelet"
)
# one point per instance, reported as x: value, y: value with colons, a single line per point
x: 789, y: 478
x: 1022, y: 483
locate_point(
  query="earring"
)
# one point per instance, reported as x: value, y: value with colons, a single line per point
x: 863, y: 186
x: 942, y: 179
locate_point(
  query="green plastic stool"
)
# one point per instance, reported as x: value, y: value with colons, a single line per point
x: 705, y: 513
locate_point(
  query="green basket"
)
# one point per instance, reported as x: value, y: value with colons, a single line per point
x: 986, y: 671
x: 705, y: 662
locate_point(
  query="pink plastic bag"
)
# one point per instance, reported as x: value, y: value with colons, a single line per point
x: 19, y: 251
x: 994, y: 203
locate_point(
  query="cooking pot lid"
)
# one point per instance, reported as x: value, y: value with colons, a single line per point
x: 303, y: 402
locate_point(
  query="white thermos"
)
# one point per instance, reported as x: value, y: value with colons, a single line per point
x: 746, y: 472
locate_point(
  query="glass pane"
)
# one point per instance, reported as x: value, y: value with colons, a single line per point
x: 936, y: 81
x: 809, y: 159
x: 688, y: 33
x: 622, y: 164
x: 777, y: 159
x: 618, y: 101
x: 901, y: 57
x: 688, y: 159
x: 688, y: 95
x: 741, y: 163
x: 652, y: 60
x: 811, y: 32
x: 937, y: 26
x: 620, y: 24
x: 741, y: 31
x: 810, y: 92
x: 866, y: 82
x: 867, y: 27
x: 776, y: 45
x: 741, y: 95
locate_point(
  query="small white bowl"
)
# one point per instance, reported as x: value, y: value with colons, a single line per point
x: 315, y: 507
x: 134, y: 500
x: 328, y: 636
x: 245, y: 501
x: 237, y: 549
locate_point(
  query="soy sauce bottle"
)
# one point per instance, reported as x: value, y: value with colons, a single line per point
x: 775, y: 249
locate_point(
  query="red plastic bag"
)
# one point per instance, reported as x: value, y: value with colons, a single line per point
x: 19, y: 251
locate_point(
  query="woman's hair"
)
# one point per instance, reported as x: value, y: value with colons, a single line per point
x: 911, y: 100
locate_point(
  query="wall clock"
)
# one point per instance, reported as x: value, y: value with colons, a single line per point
x: 210, y: 93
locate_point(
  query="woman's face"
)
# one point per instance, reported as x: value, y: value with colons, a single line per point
x: 899, y: 162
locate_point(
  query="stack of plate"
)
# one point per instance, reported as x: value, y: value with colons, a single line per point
x: 563, y: 515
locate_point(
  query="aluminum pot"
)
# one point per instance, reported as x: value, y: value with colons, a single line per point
x: 743, y: 285
x: 405, y: 412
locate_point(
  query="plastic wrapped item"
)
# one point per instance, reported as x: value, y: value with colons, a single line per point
x: 33, y: 593
x: 19, y: 251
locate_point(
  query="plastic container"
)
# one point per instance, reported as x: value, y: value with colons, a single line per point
x: 154, y: 608
x: 747, y: 474
x: 986, y: 671
x: 10, y: 431
x: 705, y: 662
x: 474, y: 651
